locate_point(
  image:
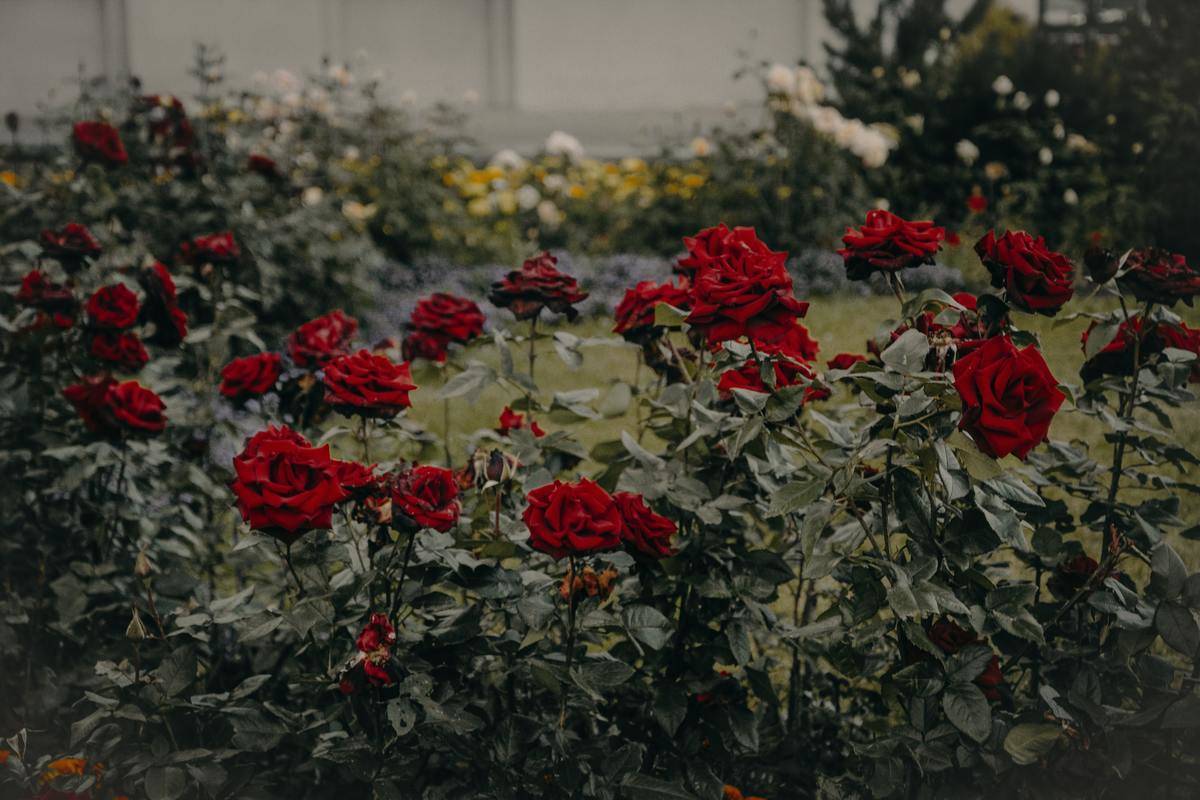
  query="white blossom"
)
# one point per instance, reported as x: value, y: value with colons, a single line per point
x: 560, y: 143
x: 1045, y: 156
x: 508, y: 159
x: 1021, y: 101
x: 701, y: 147
x: 528, y: 197
x: 1071, y: 197
x: 967, y: 151
x: 1052, y: 98
x: 1003, y: 85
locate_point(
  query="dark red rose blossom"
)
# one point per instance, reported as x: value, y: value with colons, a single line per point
x: 323, y: 338
x: 368, y: 384
x: 951, y: 638
x: 271, y: 433
x: 1181, y: 337
x: 707, y: 246
x: 1033, y: 277
x: 844, y: 360
x: 1009, y: 397
x: 1159, y: 276
x: 70, y: 244
x: 38, y: 291
x: 1073, y: 573
x: 426, y: 345
x: 123, y: 350
x: 114, y: 307
x: 106, y: 406
x: 572, y: 519
x: 99, y: 141
x: 635, y: 313
x: 512, y: 421
x: 250, y: 376
x: 977, y: 203
x: 646, y: 531
x: 375, y: 643
x: 212, y: 248
x: 789, y: 359
x: 161, y: 307
x: 537, y: 285
x: 264, y: 166
x: 357, y: 479
x: 285, y: 488
x: 426, y: 497
x: 744, y: 290
x: 888, y: 243
x: 455, y: 318
x: 1117, y: 357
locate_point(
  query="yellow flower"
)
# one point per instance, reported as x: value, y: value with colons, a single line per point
x: 480, y: 207
x: 693, y: 181
x: 449, y: 179
x: 576, y: 192
x: 14, y: 180
x: 507, y: 202
x: 783, y: 192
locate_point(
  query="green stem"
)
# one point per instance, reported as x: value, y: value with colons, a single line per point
x: 562, y: 712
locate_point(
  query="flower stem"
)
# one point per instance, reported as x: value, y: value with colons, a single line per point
x: 1127, y: 407
x: 287, y: 556
x: 446, y: 432
x: 408, y: 551
x: 364, y: 435
x: 562, y: 712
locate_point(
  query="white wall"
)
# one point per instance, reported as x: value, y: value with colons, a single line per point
x: 615, y: 72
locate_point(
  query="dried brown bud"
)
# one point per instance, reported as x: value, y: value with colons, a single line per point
x: 141, y: 565
x: 136, y: 631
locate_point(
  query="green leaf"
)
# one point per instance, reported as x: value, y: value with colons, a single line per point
x: 1100, y: 337
x: 668, y: 316
x: 1168, y: 573
x: 907, y: 353
x: 670, y: 707
x: 968, y: 710
x: 1029, y: 742
x: 598, y: 675
x: 648, y: 625
x: 165, y: 783
x: 1177, y: 626
x: 471, y: 381
x: 643, y: 787
x: 795, y: 496
x: 176, y: 672
x: 737, y: 633
x: 402, y: 716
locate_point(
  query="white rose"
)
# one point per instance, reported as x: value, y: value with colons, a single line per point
x: 1045, y: 156
x: 966, y: 151
x: 1052, y: 98
x: 808, y: 88
x: 528, y: 197
x: 548, y: 214
x: 781, y: 79
x: 701, y: 147
x: 560, y: 143
x: 1071, y: 197
x: 1002, y: 85
x: 312, y: 196
x: 1021, y: 101
x: 508, y: 159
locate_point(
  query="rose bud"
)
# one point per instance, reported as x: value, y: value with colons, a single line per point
x: 141, y: 565
x: 136, y: 631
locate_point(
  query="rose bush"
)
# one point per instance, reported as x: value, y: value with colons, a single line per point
x: 237, y: 569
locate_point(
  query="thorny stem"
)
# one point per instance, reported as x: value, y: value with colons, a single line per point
x: 562, y: 709
x: 408, y: 551
x: 287, y: 556
x: 446, y: 432
x: 1128, y: 405
x: 364, y: 436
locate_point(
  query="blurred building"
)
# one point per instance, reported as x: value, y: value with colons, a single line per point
x: 616, y: 73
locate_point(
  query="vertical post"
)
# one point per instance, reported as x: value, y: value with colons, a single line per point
x: 501, y: 67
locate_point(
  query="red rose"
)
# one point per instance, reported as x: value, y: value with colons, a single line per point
x: 745, y: 290
x: 646, y: 531
x: 572, y: 519
x: 426, y: 345
x: 99, y: 141
x: 950, y: 637
x: 887, y: 243
x: 635, y: 313
x: 977, y: 203
x: 537, y: 285
x: 990, y: 678
x: 271, y: 434
x: 707, y: 246
x: 1159, y: 276
x: 212, y: 248
x: 454, y: 318
x: 368, y: 384
x: 375, y: 642
x: 284, y: 487
x: 70, y: 244
x: 263, y: 165
x: 1116, y: 357
x: 169, y: 124
x: 250, y: 376
x: 323, y: 338
x: 789, y: 362
x: 1033, y: 277
x: 1008, y: 395
x: 1181, y: 337
x: 162, y: 305
x: 124, y: 350
x: 844, y: 360
x: 512, y: 421
x: 38, y: 291
x: 426, y: 497
x: 358, y: 480
x: 106, y: 406
x: 114, y: 307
